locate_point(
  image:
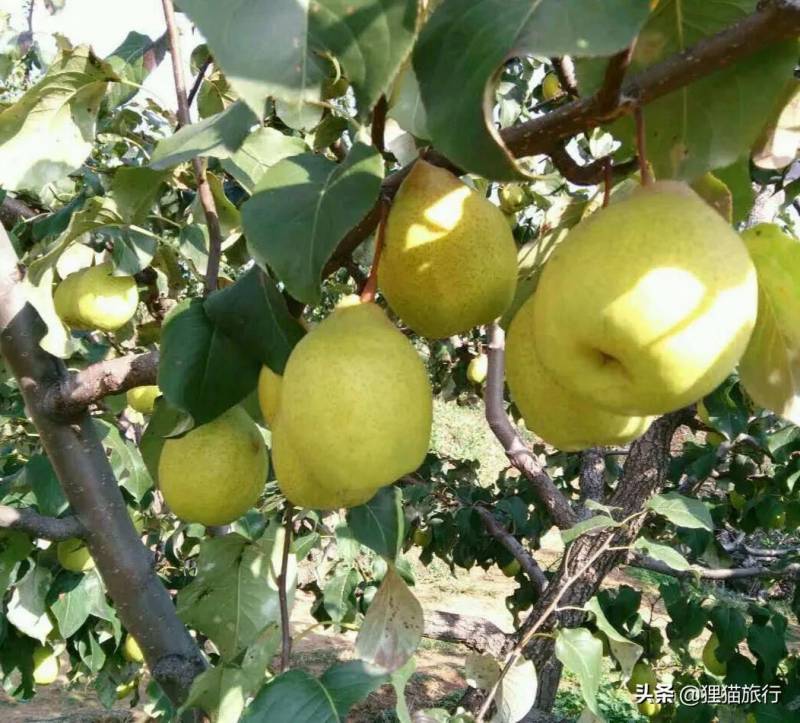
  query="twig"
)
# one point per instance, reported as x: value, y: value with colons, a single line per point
x: 507, y: 540
x: 371, y: 287
x: 113, y: 376
x: 557, y: 505
x: 379, y: 124
x: 641, y: 147
x: 27, y: 520
x: 286, y: 637
x: 610, y: 94
x: 608, y: 182
x: 203, y: 189
x: 565, y: 71
x: 777, y: 21
x: 198, y: 81
x: 590, y: 174
x: 551, y: 608
x: 647, y: 563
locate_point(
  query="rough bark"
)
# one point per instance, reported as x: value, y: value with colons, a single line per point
x: 36, y: 525
x: 84, y: 472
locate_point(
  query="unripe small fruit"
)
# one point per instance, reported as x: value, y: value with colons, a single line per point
x: 649, y: 708
x: 512, y: 569
x: 422, y: 537
x: 45, y: 665
x: 512, y: 197
x: 131, y: 650
x: 73, y: 555
x: 551, y: 87
x: 143, y: 399
x: 477, y: 369
x: 713, y: 664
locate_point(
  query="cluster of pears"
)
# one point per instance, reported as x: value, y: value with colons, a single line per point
x: 94, y: 299
x: 642, y: 309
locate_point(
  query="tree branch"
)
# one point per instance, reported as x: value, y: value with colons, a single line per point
x: 557, y: 505
x: 198, y: 81
x: 779, y: 20
x: 13, y: 210
x: 648, y: 563
x: 478, y: 634
x: 198, y: 164
x: 85, y: 474
x: 114, y: 376
x: 27, y: 520
x: 286, y: 636
x: 565, y: 71
x: 593, y: 467
x: 507, y: 540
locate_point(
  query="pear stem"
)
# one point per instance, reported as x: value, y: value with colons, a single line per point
x: 286, y: 637
x: 371, y: 287
x: 608, y: 180
x: 641, y: 145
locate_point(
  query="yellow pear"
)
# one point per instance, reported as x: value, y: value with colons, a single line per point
x: 269, y: 393
x: 478, y: 368
x: 131, y: 650
x: 556, y: 415
x: 45, y: 665
x: 449, y: 262
x: 647, y: 305
x: 355, y: 410
x: 73, y: 555
x: 216, y: 472
x: 143, y: 399
x: 92, y: 299
x: 551, y: 87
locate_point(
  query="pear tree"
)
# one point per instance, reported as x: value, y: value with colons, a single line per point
x: 230, y: 325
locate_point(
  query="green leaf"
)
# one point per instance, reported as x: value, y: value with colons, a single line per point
x: 219, y: 136
x: 135, y: 190
x: 582, y: 654
x: 287, y: 43
x: 598, y: 522
x: 736, y: 177
x: 132, y: 248
x: 407, y: 108
x: 261, y: 150
x: 338, y: 597
x: 770, y: 367
x: 690, y: 131
x: 201, y: 370
x: 462, y: 47
x: 253, y: 313
x: 14, y: 548
x: 682, y: 511
x: 48, y: 133
x: 392, y: 627
x: 234, y: 596
x: 72, y: 609
x: 663, y: 553
x: 350, y: 682
x: 625, y: 651
x: 380, y: 524
x: 400, y: 678
x: 41, y: 477
x: 126, y: 460
x: 302, y: 208
x: 133, y: 61
x: 27, y: 609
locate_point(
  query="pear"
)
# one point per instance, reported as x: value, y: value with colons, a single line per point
x: 551, y: 87
x: 556, y: 415
x: 647, y: 305
x: 713, y: 664
x: 143, y: 399
x: 642, y: 674
x: 214, y: 473
x: 355, y: 410
x: 449, y: 262
x: 45, y: 665
x: 92, y: 299
x: 131, y: 650
x: 73, y: 555
x: 269, y: 392
x: 478, y: 368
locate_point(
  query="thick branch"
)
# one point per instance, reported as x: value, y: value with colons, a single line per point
x: 593, y: 467
x: 85, y: 474
x: 507, y: 540
x: 13, y: 210
x: 114, y: 376
x: 476, y: 633
x: 777, y: 21
x: 26, y: 520
x: 647, y: 563
x: 519, y: 455
x: 198, y: 164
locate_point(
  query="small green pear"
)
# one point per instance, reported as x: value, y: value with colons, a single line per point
x: 511, y: 569
x: 556, y: 415
x: 478, y: 368
x: 449, y: 262
x: 551, y: 87
x: 642, y: 674
x: 216, y: 472
x: 131, y: 650
x: 713, y: 664
x: 648, y: 305
x: 93, y: 299
x: 45, y: 665
x: 355, y: 410
x: 512, y: 198
x: 143, y: 399
x: 73, y: 555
